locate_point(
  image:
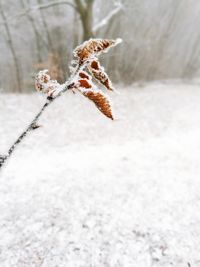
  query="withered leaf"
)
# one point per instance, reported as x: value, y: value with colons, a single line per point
x: 93, y: 47
x: 100, y: 99
x: 100, y: 75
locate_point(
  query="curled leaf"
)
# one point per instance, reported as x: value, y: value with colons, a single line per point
x: 84, y: 75
x: 41, y: 79
x: 101, y: 100
x: 44, y: 84
x: 92, y: 48
x: 100, y: 75
x: 85, y: 83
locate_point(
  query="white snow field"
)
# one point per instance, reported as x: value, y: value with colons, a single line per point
x: 85, y: 191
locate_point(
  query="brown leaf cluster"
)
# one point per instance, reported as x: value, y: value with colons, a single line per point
x: 85, y: 67
x: 41, y: 79
x: 86, y: 55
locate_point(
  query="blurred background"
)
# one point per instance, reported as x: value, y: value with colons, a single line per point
x: 161, y: 38
x: 85, y: 191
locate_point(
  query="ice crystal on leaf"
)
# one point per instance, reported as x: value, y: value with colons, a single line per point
x: 84, y: 68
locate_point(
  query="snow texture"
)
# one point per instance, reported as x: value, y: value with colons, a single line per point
x: 83, y: 191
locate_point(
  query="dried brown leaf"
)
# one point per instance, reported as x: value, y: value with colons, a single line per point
x: 101, y: 100
x: 44, y: 84
x: 85, y: 83
x: 84, y: 75
x: 100, y: 75
x: 93, y: 47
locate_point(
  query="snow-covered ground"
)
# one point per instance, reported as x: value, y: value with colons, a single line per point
x: 84, y: 191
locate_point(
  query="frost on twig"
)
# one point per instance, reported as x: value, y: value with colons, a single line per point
x: 83, y: 69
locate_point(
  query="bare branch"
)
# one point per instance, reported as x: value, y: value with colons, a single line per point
x: 9, y: 40
x: 44, y: 6
x: 80, y: 7
x: 32, y: 126
x: 78, y: 80
x: 105, y: 21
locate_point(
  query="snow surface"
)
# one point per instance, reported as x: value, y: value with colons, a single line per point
x: 84, y: 191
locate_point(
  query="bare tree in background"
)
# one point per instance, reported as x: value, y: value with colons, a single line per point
x: 11, y: 46
x: 34, y: 27
x: 85, y: 9
x: 161, y: 38
x: 46, y: 28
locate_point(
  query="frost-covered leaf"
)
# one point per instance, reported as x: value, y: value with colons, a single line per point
x: 84, y: 75
x: 93, y: 47
x: 100, y: 75
x: 44, y: 84
x: 83, y: 69
x: 101, y: 100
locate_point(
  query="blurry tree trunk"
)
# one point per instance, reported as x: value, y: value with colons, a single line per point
x: 36, y: 33
x: 12, y: 49
x: 85, y: 9
x: 75, y: 30
x: 156, y: 69
x: 45, y: 25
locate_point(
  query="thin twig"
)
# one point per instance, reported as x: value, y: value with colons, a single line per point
x: 54, y: 90
x: 32, y: 126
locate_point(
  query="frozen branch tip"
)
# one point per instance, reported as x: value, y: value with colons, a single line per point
x: 87, y: 75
